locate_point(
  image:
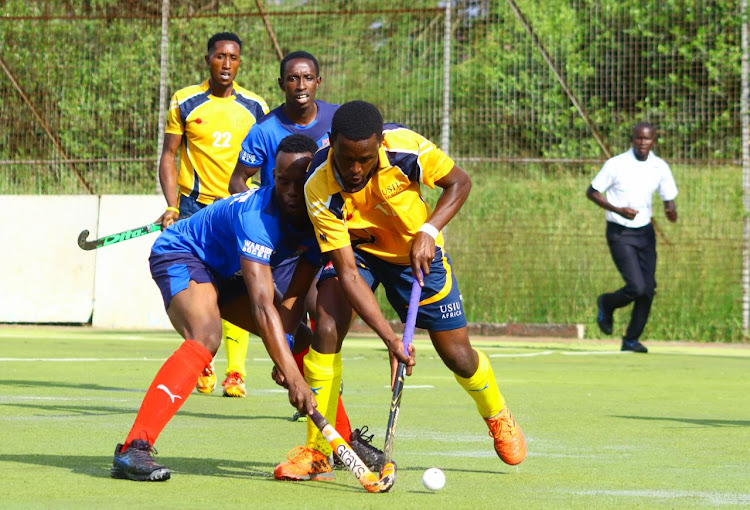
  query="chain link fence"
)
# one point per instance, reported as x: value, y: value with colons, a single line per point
x: 535, y: 96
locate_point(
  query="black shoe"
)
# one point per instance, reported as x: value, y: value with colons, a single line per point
x: 604, y: 317
x: 633, y: 345
x: 362, y: 446
x: 136, y: 463
x: 299, y: 417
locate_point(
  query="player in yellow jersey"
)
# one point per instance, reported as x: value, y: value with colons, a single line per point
x: 363, y: 197
x: 207, y: 123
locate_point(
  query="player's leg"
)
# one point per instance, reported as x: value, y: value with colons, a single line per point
x: 236, y: 342
x: 322, y: 369
x: 473, y: 371
x: 194, y: 313
x: 207, y: 379
x: 441, y: 313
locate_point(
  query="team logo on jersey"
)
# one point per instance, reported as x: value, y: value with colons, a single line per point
x: 198, y: 120
x: 323, y: 237
x: 246, y: 157
x: 392, y: 189
x: 257, y: 250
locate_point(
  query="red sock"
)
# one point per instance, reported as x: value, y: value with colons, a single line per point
x: 342, y: 422
x: 172, y: 385
x: 300, y: 359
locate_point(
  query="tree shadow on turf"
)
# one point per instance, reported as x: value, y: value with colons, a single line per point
x: 80, y: 410
x: 98, y: 467
x: 707, y: 422
x: 422, y: 469
x: 56, y: 384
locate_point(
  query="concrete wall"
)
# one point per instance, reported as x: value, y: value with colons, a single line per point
x: 47, y: 278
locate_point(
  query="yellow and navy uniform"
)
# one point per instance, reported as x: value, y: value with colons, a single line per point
x: 383, y: 217
x: 213, y: 129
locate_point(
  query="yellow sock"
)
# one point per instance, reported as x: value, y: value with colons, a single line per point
x: 323, y: 374
x: 236, y: 340
x: 483, y: 388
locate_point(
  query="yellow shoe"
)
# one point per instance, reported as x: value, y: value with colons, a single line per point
x: 234, y: 385
x: 207, y: 380
x: 304, y: 464
x: 509, y: 442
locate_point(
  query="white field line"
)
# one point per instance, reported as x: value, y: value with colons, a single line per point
x: 84, y: 360
x: 521, y: 354
x: 713, y: 498
x: 413, y: 386
x: 585, y: 353
x: 8, y: 398
x: 87, y: 360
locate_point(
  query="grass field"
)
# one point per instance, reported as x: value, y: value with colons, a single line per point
x: 669, y: 429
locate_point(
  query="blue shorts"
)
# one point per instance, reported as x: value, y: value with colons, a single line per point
x: 172, y: 273
x: 282, y: 273
x: 440, y: 306
x: 188, y: 206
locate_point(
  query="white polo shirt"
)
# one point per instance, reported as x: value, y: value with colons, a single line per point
x: 629, y: 182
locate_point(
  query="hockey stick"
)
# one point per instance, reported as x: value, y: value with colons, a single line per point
x: 398, y: 387
x: 116, y: 238
x: 369, y: 480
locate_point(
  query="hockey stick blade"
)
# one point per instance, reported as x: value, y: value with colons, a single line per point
x: 116, y: 238
x: 369, y: 480
x: 398, y: 387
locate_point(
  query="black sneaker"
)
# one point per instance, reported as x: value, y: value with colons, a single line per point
x: 362, y: 446
x: 136, y: 463
x: 299, y: 417
x: 604, y: 317
x: 633, y: 345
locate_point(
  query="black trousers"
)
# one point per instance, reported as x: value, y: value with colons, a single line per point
x: 633, y: 251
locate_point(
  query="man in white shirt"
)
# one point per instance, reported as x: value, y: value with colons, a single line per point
x: 629, y: 181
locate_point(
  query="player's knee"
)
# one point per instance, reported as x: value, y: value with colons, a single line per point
x: 459, y: 361
x: 328, y: 330
x: 210, y: 340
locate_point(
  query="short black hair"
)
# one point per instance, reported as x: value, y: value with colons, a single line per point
x: 357, y: 120
x: 297, y: 144
x: 295, y: 55
x: 223, y: 36
x: 642, y: 125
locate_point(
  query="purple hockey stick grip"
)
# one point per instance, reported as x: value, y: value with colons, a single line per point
x: 411, y: 314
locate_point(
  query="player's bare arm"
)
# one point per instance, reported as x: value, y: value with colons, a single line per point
x: 601, y: 201
x: 168, y: 178
x: 456, y: 187
x: 260, y: 290
x: 292, y: 307
x: 240, y: 175
x: 363, y: 302
x: 670, y: 209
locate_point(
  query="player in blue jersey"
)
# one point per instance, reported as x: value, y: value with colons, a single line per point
x: 299, y: 79
x: 301, y: 113
x: 194, y: 262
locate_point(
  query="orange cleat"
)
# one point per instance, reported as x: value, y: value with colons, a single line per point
x: 207, y: 380
x: 509, y: 442
x: 304, y: 464
x: 234, y: 385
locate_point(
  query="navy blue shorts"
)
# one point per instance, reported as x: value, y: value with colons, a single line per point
x: 282, y: 274
x: 172, y: 273
x: 440, y: 306
x: 189, y: 206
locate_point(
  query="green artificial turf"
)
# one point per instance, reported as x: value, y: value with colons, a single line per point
x: 669, y: 429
